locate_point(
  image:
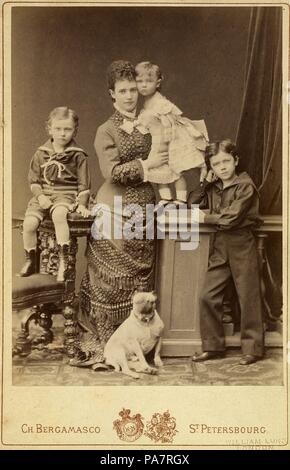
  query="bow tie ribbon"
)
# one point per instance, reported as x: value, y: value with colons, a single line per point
x: 54, y: 171
x: 129, y: 126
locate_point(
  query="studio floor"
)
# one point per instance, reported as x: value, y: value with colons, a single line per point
x: 51, y: 370
x: 50, y: 367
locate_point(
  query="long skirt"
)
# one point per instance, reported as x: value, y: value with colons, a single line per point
x: 116, y: 269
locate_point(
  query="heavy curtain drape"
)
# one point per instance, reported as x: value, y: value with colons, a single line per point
x: 259, y: 137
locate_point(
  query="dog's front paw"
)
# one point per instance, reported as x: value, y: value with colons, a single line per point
x: 150, y: 370
x: 158, y: 362
x: 134, y: 375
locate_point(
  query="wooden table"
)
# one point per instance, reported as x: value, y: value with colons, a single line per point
x: 179, y: 279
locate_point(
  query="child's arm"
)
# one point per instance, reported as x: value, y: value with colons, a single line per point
x: 34, y: 179
x: 233, y: 215
x: 200, y: 195
x: 203, y: 173
x: 145, y: 118
x: 84, y: 184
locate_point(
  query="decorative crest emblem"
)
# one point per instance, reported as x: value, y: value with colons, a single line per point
x: 161, y: 428
x: 129, y: 428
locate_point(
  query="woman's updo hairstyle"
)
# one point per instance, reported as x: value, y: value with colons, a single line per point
x: 214, y: 148
x: 119, y: 70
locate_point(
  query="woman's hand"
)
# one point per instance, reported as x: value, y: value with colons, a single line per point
x: 83, y: 211
x: 44, y: 201
x: 158, y: 160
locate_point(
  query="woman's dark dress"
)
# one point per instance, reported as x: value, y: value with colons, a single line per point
x: 116, y: 267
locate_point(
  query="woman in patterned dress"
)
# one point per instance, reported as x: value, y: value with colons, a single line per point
x: 117, y: 266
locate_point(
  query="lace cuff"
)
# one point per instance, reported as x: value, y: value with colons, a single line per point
x: 128, y: 173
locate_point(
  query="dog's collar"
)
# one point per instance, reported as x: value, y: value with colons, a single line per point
x: 143, y: 318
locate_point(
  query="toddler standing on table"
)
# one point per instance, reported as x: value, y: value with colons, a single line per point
x: 60, y: 182
x: 183, y: 139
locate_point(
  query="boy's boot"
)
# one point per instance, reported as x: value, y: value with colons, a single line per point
x: 29, y: 266
x: 63, y: 262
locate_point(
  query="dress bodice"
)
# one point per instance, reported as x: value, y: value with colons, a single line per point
x: 131, y: 146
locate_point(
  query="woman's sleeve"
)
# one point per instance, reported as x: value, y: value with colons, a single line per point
x: 109, y: 159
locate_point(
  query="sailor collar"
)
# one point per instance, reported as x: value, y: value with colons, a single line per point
x: 72, y: 147
x: 240, y: 178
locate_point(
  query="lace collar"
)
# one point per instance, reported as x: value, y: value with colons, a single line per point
x: 128, y: 114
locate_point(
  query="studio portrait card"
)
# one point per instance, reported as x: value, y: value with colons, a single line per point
x: 144, y: 225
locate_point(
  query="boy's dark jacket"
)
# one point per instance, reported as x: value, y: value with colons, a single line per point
x: 65, y: 171
x: 232, y: 208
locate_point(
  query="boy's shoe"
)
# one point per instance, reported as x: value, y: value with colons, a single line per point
x: 29, y: 266
x: 207, y: 355
x: 248, y: 359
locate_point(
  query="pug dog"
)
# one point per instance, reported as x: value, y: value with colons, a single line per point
x: 136, y: 337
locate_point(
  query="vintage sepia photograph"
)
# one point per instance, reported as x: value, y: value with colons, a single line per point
x: 145, y: 154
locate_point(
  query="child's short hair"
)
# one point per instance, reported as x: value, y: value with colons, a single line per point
x: 149, y: 68
x: 119, y: 70
x: 214, y: 148
x: 63, y: 112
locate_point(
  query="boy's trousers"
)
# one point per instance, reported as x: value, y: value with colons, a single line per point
x: 234, y: 254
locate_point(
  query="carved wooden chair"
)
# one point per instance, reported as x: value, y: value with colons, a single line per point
x: 42, y: 295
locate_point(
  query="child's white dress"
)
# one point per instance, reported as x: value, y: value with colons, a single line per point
x: 185, y: 140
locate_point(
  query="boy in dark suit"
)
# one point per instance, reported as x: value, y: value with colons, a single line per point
x: 233, y: 203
